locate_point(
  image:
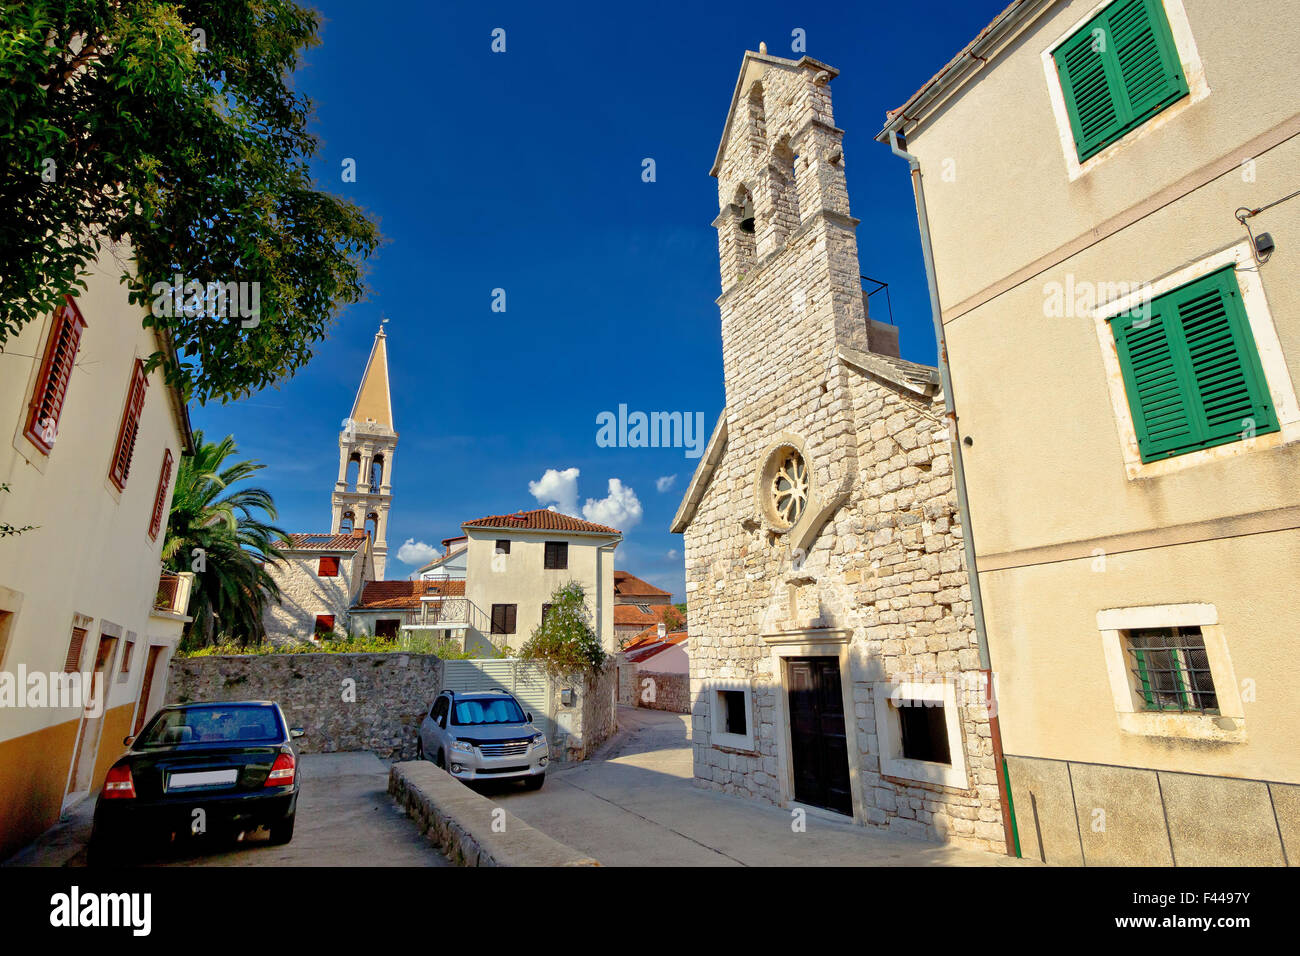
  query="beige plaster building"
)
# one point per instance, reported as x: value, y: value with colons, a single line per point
x: 516, y: 561
x: 1123, y: 356
x: 833, y: 662
x: 91, y: 450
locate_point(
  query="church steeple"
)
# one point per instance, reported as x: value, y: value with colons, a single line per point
x: 362, y: 500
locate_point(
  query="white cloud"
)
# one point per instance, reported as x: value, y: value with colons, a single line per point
x: 560, y: 487
x: 664, y: 483
x: 619, y: 509
x: 673, y: 554
x: 417, y: 552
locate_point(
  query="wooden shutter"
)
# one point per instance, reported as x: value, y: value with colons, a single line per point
x: 1117, y: 71
x: 498, y: 618
x: 160, y: 499
x: 511, y: 611
x: 51, y: 389
x: 329, y: 567
x: 324, y: 623
x: 120, y: 469
x: 1192, y: 372
x: 72, y: 663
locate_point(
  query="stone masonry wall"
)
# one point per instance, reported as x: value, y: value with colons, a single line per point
x: 304, y: 595
x: 343, y: 701
x: 664, y: 691
x: 886, y: 565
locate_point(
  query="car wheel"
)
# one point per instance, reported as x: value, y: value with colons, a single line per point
x: 282, y: 832
x: 534, y: 782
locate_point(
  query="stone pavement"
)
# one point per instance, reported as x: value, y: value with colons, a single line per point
x: 635, y: 805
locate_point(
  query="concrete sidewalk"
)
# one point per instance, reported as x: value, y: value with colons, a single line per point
x: 635, y: 805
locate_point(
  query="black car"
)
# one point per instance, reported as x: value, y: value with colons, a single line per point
x: 214, y: 769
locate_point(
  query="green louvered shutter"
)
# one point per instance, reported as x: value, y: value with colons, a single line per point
x: 1191, y: 370
x: 1117, y: 71
x: 1155, y: 384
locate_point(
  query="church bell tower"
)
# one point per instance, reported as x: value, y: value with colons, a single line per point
x: 362, y: 496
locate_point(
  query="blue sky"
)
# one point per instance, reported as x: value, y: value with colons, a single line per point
x: 522, y: 171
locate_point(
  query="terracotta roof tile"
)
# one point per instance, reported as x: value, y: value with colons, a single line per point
x: 326, y: 542
x: 630, y: 584
x: 406, y: 594
x: 632, y: 614
x: 649, y: 643
x: 539, y: 519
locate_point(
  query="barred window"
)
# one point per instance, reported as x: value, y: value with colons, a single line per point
x: 1171, y: 668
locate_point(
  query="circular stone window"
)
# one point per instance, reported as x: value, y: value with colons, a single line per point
x: 785, y: 487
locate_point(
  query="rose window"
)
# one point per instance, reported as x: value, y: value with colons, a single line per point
x: 789, y: 488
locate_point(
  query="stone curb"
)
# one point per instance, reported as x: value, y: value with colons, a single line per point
x: 460, y: 822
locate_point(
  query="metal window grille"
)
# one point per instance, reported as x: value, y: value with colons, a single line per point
x: 1172, y: 669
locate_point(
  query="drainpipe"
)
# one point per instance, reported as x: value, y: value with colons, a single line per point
x: 898, y: 144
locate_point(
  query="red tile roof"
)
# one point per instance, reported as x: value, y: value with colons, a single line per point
x: 648, y: 643
x: 630, y: 585
x: 632, y: 614
x: 406, y: 594
x: 539, y: 519
x: 326, y: 542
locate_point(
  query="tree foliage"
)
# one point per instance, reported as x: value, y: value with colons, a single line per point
x: 565, y: 643
x: 222, y: 534
x: 674, y: 620
x: 170, y: 129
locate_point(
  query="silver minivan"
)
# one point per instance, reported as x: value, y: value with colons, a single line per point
x: 483, y: 735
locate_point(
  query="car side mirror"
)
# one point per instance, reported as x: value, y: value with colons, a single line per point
x: 296, y: 732
x: 528, y: 717
x: 127, y: 739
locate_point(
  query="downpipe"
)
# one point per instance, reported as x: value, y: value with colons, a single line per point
x: 898, y: 144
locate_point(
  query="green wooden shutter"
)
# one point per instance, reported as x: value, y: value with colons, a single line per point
x: 1117, y: 71
x: 1191, y: 370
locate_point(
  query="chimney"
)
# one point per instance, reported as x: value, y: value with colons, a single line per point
x: 663, y: 629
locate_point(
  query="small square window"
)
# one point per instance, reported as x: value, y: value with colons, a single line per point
x: 1171, y: 669
x: 732, y: 703
x: 324, y: 624
x: 503, y: 546
x: 329, y: 567
x: 557, y: 555
x: 924, y: 729
x: 503, y: 618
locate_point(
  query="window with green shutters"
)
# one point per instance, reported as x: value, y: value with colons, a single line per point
x: 1120, y: 69
x: 1191, y: 370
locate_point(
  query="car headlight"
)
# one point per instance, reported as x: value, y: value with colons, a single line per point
x: 539, y: 741
x: 462, y: 746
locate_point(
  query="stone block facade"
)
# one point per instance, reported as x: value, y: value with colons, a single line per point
x: 870, y: 571
x: 343, y: 701
x: 653, y: 690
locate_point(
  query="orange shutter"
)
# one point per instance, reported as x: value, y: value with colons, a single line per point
x: 73, y: 661
x: 120, y: 469
x: 164, y: 478
x: 56, y: 372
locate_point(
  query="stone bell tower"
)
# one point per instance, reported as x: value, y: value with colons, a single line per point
x: 363, y: 496
x: 791, y: 292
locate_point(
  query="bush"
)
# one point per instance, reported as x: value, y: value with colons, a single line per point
x: 564, y: 643
x: 365, y: 644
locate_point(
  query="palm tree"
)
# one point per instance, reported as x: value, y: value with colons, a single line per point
x: 223, y: 535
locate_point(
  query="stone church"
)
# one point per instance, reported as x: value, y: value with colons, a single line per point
x: 834, y: 662
x: 323, y: 576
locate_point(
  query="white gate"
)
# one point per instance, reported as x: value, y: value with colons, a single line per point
x: 527, y: 681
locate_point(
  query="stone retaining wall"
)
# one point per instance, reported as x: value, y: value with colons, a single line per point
x: 343, y: 701
x: 469, y: 828
x: 654, y: 690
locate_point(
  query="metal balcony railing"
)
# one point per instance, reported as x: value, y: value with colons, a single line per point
x: 169, y: 586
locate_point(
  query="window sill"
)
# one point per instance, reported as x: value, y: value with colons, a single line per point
x: 738, y: 742
x: 926, y: 772
x: 1175, y: 726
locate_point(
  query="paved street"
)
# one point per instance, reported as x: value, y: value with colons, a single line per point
x: 345, y: 818
x: 638, y: 807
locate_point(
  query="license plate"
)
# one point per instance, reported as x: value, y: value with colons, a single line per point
x: 208, y: 778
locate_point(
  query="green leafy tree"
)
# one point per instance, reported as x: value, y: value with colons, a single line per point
x: 222, y: 534
x: 169, y: 129
x: 565, y: 643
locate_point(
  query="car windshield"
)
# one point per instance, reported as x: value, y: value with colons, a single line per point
x: 488, y: 710
x: 213, y: 725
